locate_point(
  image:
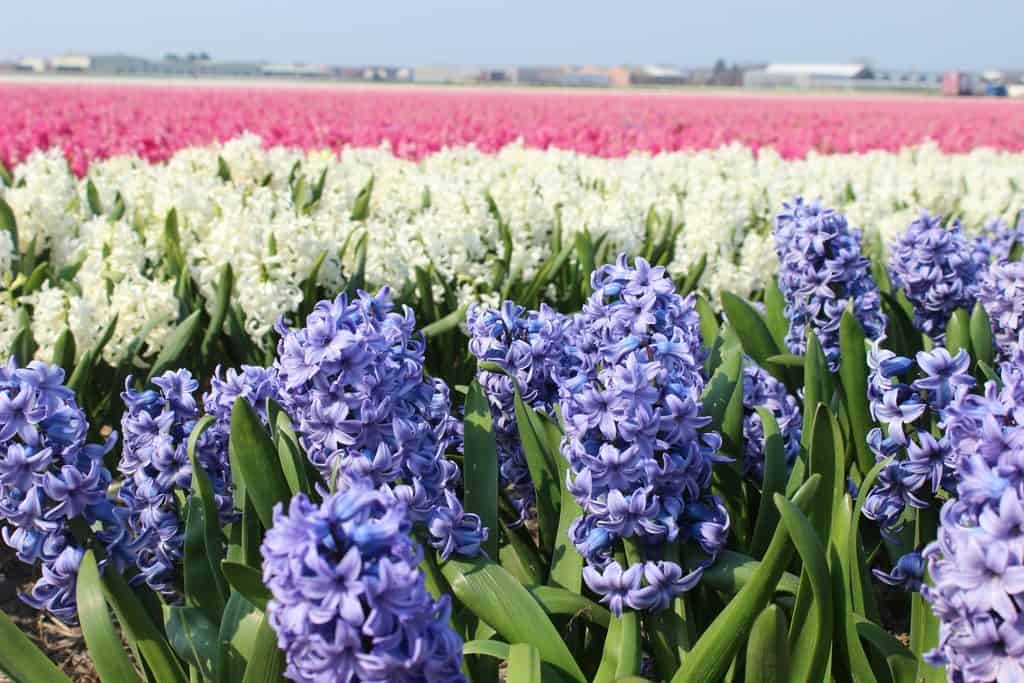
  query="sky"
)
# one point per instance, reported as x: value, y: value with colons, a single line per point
x: 924, y: 34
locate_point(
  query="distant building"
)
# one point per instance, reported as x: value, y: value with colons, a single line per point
x: 806, y: 75
x: 447, y: 74
x: 653, y: 74
x: 31, y: 64
x: 71, y: 64
x: 295, y: 70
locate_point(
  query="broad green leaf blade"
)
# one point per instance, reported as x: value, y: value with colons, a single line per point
x: 223, y: 170
x: 982, y: 347
x: 811, y: 648
x: 254, y: 460
x: 902, y: 662
x: 64, y: 352
x: 775, y: 312
x: 361, y: 207
x: 204, y: 584
x: 732, y: 571
x: 498, y: 599
x: 752, y: 331
x: 446, y: 324
x: 523, y: 664
x: 715, y: 649
x: 774, y: 481
x: 8, y: 224
x: 958, y: 332
x: 544, y: 474
x: 237, y: 637
x: 92, y: 197
x: 708, y: 321
x: 173, y: 352
x: 301, y: 477
x: 621, y: 656
x: 768, y: 648
x: 105, y: 649
x: 140, y: 629
x: 486, y: 648
x: 248, y: 581
x: 559, y: 601
x: 848, y: 655
x: 195, y: 638
x: 693, y: 275
x: 267, y: 662
x: 853, y: 372
x: 22, y: 661
x: 480, y: 465
x: 220, y: 311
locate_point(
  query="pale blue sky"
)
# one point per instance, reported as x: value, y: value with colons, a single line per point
x: 896, y: 33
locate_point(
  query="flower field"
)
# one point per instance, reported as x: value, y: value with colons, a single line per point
x: 667, y: 389
x: 153, y: 122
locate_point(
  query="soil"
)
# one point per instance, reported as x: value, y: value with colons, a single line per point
x: 61, y: 643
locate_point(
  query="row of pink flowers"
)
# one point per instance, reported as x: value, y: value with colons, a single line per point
x: 95, y: 121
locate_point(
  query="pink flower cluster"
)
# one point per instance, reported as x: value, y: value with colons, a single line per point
x: 90, y: 121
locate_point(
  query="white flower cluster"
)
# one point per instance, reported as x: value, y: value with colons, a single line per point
x: 435, y: 212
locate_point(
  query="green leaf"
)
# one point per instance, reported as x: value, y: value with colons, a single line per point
x: 248, y: 581
x: 93, y: 198
x: 775, y: 312
x: 480, y: 465
x: 117, y: 212
x: 361, y: 206
x: 22, y: 661
x: 172, y: 244
x: 906, y: 340
x: 5, y: 176
x: 140, y: 630
x: 64, y: 351
x: 296, y: 468
x: 693, y: 275
x: 24, y: 347
x: 237, y: 637
x: 811, y: 649
x: 105, y: 649
x: 901, y: 661
x: 254, y: 460
x: 267, y: 662
x: 195, y: 638
x: 768, y: 648
x: 848, y: 653
x: 708, y: 321
x: 715, y: 649
x: 789, y: 360
x: 543, y: 472
x: 486, y: 648
x: 958, y: 332
x: 37, y: 278
x: 445, y: 324
x: 173, y: 352
x: 495, y: 597
x: 220, y: 310
x: 560, y: 601
x: 981, y: 336
x: 8, y: 224
x: 776, y: 472
x: 523, y: 664
x: 853, y: 373
x: 203, y: 582
x: 752, y: 331
x: 223, y: 170
x: 621, y: 656
x: 732, y: 571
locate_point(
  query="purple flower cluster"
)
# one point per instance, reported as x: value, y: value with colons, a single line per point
x: 998, y: 237
x: 48, y: 477
x: 530, y: 347
x: 937, y: 269
x: 349, y: 602
x: 352, y: 381
x: 821, y: 272
x: 761, y: 390
x: 977, y: 561
x: 1002, y: 295
x: 639, y: 465
x: 155, y: 466
x: 923, y: 465
x: 253, y: 383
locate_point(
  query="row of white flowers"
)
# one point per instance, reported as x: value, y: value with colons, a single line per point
x: 436, y: 211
